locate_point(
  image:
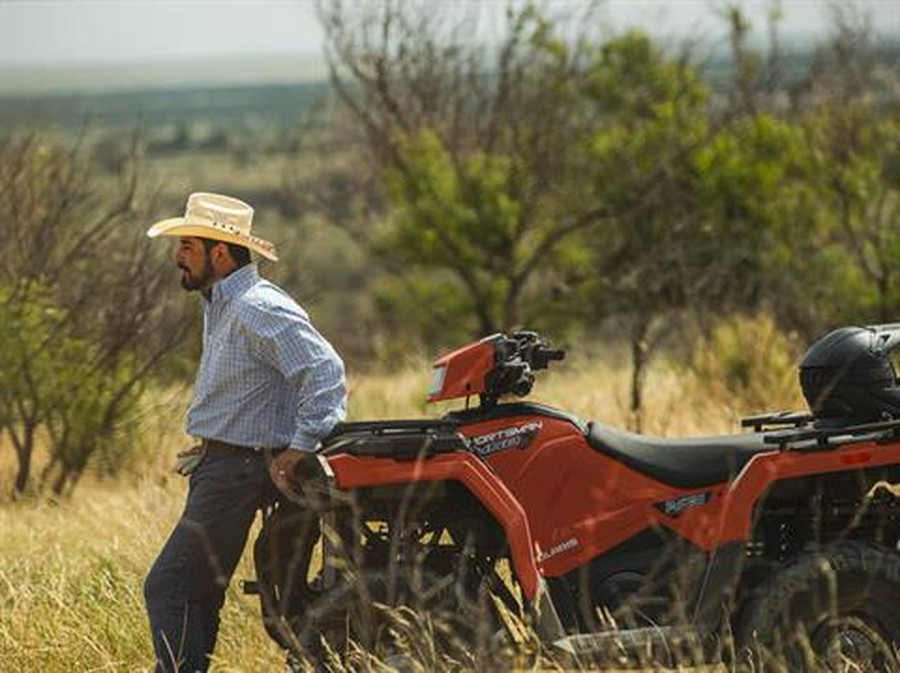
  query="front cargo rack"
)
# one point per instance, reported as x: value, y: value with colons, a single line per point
x: 399, y: 439
x: 826, y: 438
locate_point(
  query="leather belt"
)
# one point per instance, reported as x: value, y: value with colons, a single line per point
x: 215, y: 447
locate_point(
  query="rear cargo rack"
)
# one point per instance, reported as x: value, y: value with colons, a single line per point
x: 399, y: 439
x: 776, y: 419
x: 829, y: 438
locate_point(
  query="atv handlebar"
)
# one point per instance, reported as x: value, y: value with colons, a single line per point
x: 542, y: 357
x: 517, y: 356
x: 531, y: 350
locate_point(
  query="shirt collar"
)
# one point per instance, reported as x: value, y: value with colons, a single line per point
x: 234, y: 284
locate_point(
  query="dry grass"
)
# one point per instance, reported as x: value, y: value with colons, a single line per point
x: 71, y: 573
x: 71, y: 584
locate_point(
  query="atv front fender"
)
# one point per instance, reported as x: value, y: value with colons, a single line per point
x: 362, y: 471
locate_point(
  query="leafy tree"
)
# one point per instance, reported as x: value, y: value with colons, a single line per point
x: 757, y: 80
x: 546, y: 181
x: 755, y: 181
x: 81, y: 304
x: 471, y: 147
x: 655, y: 257
x: 808, y: 195
x: 857, y: 160
x: 27, y: 330
x: 92, y: 412
x: 847, y: 103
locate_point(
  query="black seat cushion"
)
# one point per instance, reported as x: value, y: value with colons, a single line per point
x: 686, y: 463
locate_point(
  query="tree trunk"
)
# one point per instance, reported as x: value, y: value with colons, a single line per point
x: 511, y: 310
x: 486, y: 322
x: 24, y: 447
x: 640, y: 355
x: 884, y: 297
x: 60, y: 482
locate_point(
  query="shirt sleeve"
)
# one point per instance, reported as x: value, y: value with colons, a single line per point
x: 288, y: 342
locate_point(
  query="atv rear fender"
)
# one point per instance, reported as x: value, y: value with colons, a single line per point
x: 765, y: 469
x: 748, y: 494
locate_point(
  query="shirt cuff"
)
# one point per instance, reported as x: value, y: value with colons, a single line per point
x: 304, y: 443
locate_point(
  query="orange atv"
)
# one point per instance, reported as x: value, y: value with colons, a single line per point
x: 452, y: 535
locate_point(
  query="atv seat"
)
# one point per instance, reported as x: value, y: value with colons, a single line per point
x: 686, y: 463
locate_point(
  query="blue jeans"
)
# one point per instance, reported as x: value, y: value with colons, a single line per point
x: 185, y: 588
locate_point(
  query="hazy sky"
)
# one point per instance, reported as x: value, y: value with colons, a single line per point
x: 109, y: 33
x: 101, y: 31
x: 73, y: 45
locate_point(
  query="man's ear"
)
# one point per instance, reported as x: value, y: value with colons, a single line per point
x: 221, y: 255
x: 219, y: 252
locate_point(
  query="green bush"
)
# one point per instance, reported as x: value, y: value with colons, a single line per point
x: 748, y: 363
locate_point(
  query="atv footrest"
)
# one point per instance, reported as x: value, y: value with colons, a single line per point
x: 630, y: 644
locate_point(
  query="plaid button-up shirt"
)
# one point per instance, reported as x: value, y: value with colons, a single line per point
x: 267, y: 378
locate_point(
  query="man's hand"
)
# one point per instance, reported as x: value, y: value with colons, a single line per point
x: 299, y: 475
x: 188, y: 461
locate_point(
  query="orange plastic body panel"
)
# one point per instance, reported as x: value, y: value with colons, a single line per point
x: 465, y: 370
x: 580, y: 502
x: 360, y: 471
x: 562, y: 502
x: 765, y: 468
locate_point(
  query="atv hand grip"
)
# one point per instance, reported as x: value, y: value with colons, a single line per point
x: 543, y: 356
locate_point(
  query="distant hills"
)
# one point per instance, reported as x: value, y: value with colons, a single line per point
x: 224, y: 96
x: 222, y: 92
x: 281, y: 105
x: 31, y: 80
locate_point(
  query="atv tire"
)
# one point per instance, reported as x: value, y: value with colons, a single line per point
x: 390, y: 618
x: 418, y: 612
x: 834, y: 610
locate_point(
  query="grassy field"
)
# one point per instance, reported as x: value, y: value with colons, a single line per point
x: 71, y: 572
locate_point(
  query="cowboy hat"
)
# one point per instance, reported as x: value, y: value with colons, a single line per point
x: 217, y: 217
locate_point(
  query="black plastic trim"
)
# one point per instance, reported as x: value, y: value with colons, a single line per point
x: 383, y: 427
x: 403, y: 439
x: 825, y: 438
x: 776, y: 419
x: 716, y: 599
x: 515, y: 409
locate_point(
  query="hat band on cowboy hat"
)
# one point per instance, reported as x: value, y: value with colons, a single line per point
x: 219, y: 218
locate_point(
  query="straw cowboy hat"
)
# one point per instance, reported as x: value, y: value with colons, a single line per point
x: 217, y: 217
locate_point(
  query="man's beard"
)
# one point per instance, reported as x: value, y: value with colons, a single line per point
x: 199, y: 282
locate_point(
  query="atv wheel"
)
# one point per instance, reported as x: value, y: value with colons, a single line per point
x: 432, y: 608
x: 834, y: 610
x: 420, y: 619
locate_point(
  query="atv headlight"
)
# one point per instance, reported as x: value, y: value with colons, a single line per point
x: 437, y: 380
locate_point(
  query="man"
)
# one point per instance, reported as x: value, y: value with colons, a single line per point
x: 267, y: 381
